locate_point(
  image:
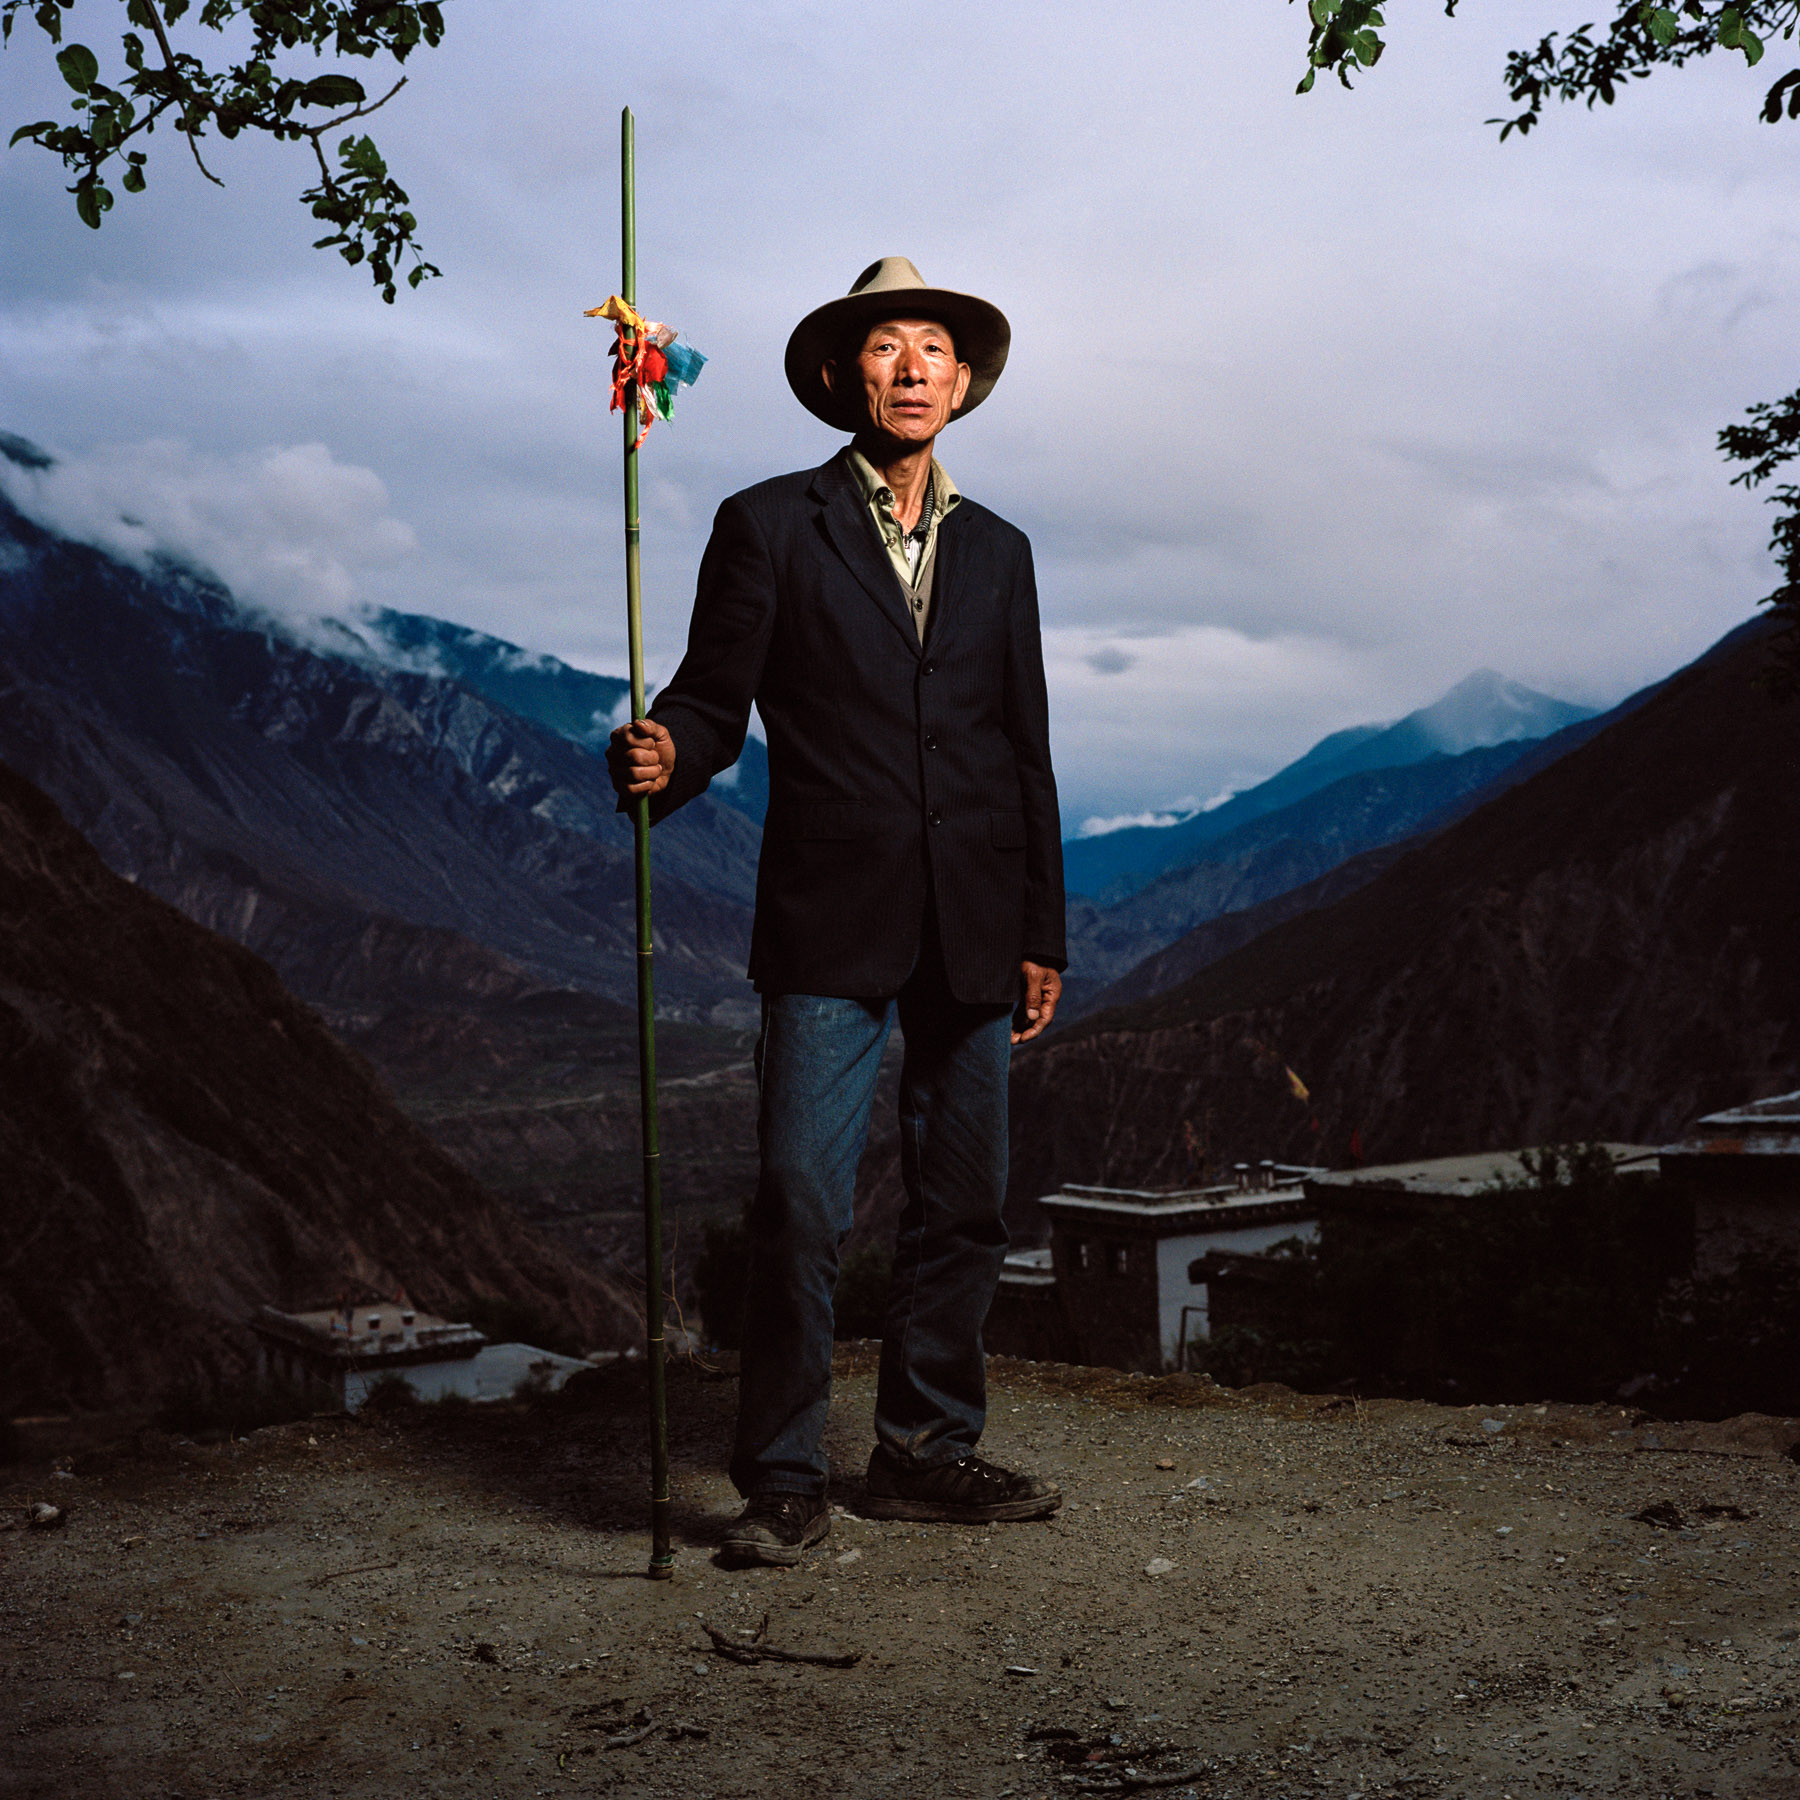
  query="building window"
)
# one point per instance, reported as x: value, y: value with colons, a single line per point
x: 1118, y: 1259
x: 1083, y: 1258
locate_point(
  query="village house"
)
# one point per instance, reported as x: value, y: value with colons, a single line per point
x: 1741, y: 1171
x: 342, y: 1352
x: 1113, y: 1286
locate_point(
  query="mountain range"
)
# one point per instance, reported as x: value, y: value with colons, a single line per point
x: 374, y: 828
x: 182, y: 1141
x: 1483, y: 710
x: 1604, y: 949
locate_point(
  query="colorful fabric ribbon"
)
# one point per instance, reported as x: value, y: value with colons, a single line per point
x: 646, y: 357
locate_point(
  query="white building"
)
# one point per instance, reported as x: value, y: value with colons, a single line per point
x: 1122, y: 1256
x: 342, y: 1352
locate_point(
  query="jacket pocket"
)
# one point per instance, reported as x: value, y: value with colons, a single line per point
x: 837, y: 821
x: 1006, y: 830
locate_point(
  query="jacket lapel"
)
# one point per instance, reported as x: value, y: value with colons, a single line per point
x: 947, y: 579
x: 845, y: 516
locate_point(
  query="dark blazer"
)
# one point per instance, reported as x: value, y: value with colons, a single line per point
x: 895, y: 771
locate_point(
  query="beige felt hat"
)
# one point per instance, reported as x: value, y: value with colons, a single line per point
x: 894, y: 289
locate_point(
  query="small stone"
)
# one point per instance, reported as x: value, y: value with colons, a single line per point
x: 701, y: 1669
x: 130, y: 1619
x: 1502, y: 1531
x: 1165, y: 1462
x: 1158, y: 1565
x: 40, y: 1515
x: 1115, y: 1705
x: 128, y: 1675
x: 850, y: 1556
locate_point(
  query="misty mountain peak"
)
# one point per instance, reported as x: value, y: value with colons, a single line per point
x: 1488, y: 708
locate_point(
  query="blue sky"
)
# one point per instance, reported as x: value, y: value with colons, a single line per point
x: 1314, y: 406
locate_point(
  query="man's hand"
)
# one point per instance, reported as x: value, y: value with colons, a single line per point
x: 641, y: 757
x: 1043, y: 988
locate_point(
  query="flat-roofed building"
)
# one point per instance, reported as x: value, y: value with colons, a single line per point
x: 1411, y: 1187
x: 1741, y: 1170
x: 1122, y: 1257
x: 342, y: 1352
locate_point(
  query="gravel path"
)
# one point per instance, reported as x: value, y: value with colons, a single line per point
x: 1253, y: 1595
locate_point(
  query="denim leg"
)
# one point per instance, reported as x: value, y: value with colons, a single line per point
x: 931, y: 1398
x: 817, y: 1061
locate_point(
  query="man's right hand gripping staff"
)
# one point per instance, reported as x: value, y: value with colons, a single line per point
x: 641, y: 757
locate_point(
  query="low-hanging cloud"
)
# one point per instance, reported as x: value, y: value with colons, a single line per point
x: 289, y: 529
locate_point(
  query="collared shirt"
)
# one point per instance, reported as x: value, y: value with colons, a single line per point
x: 912, y: 553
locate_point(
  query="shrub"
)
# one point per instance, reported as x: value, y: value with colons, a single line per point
x: 230, y: 1407
x: 859, y: 1306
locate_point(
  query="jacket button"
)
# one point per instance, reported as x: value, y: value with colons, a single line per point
x: 937, y: 818
x: 930, y: 668
x: 931, y: 740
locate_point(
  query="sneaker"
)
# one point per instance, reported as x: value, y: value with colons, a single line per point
x: 775, y: 1529
x: 967, y: 1491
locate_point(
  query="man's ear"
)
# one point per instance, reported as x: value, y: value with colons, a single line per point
x: 964, y: 375
x: 828, y: 374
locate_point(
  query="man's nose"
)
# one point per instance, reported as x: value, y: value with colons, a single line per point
x: 911, y: 371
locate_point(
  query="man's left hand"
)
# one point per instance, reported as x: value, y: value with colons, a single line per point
x: 1043, y: 988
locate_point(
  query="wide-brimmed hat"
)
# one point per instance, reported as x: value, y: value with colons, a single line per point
x: 893, y: 289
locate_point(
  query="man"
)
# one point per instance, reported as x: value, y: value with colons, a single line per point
x: 886, y: 629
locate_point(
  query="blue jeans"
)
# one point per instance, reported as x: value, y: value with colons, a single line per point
x: 817, y: 1061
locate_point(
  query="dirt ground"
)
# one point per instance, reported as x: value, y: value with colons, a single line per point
x: 1251, y: 1595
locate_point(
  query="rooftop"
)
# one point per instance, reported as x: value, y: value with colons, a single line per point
x: 1028, y: 1269
x: 1761, y: 1128
x: 1453, y: 1175
x: 374, y: 1331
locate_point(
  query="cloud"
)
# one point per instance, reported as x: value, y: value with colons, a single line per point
x: 288, y: 529
x: 1110, y: 661
x: 1313, y: 405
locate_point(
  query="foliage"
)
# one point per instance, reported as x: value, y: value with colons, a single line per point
x: 719, y: 1281
x: 1343, y: 37
x: 359, y: 199
x: 504, y: 1321
x: 1643, y: 37
x: 200, y: 1408
x: 1771, y: 438
x: 859, y: 1306
x: 389, y: 1393
x: 1243, y: 1355
x: 1731, y: 1342
x: 1553, y: 1284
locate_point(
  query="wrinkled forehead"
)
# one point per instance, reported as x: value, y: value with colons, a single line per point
x: 905, y: 326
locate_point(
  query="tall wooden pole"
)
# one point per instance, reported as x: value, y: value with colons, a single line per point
x: 662, y: 1560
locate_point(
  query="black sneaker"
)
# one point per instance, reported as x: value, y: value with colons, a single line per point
x: 965, y: 1492
x: 775, y: 1529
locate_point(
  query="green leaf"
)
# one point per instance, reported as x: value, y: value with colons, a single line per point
x: 133, y: 180
x: 91, y: 200
x: 80, y: 67
x: 1662, y: 23
x: 31, y: 131
x: 333, y: 90
x: 1306, y: 82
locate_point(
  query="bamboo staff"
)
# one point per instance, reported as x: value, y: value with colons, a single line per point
x: 662, y: 1560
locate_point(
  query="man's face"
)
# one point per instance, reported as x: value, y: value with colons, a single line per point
x: 910, y: 378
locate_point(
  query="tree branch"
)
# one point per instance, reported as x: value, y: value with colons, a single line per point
x: 169, y: 62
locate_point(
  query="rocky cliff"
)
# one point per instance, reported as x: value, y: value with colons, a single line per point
x: 181, y: 1140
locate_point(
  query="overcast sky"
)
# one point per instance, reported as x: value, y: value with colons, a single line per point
x: 1315, y: 404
